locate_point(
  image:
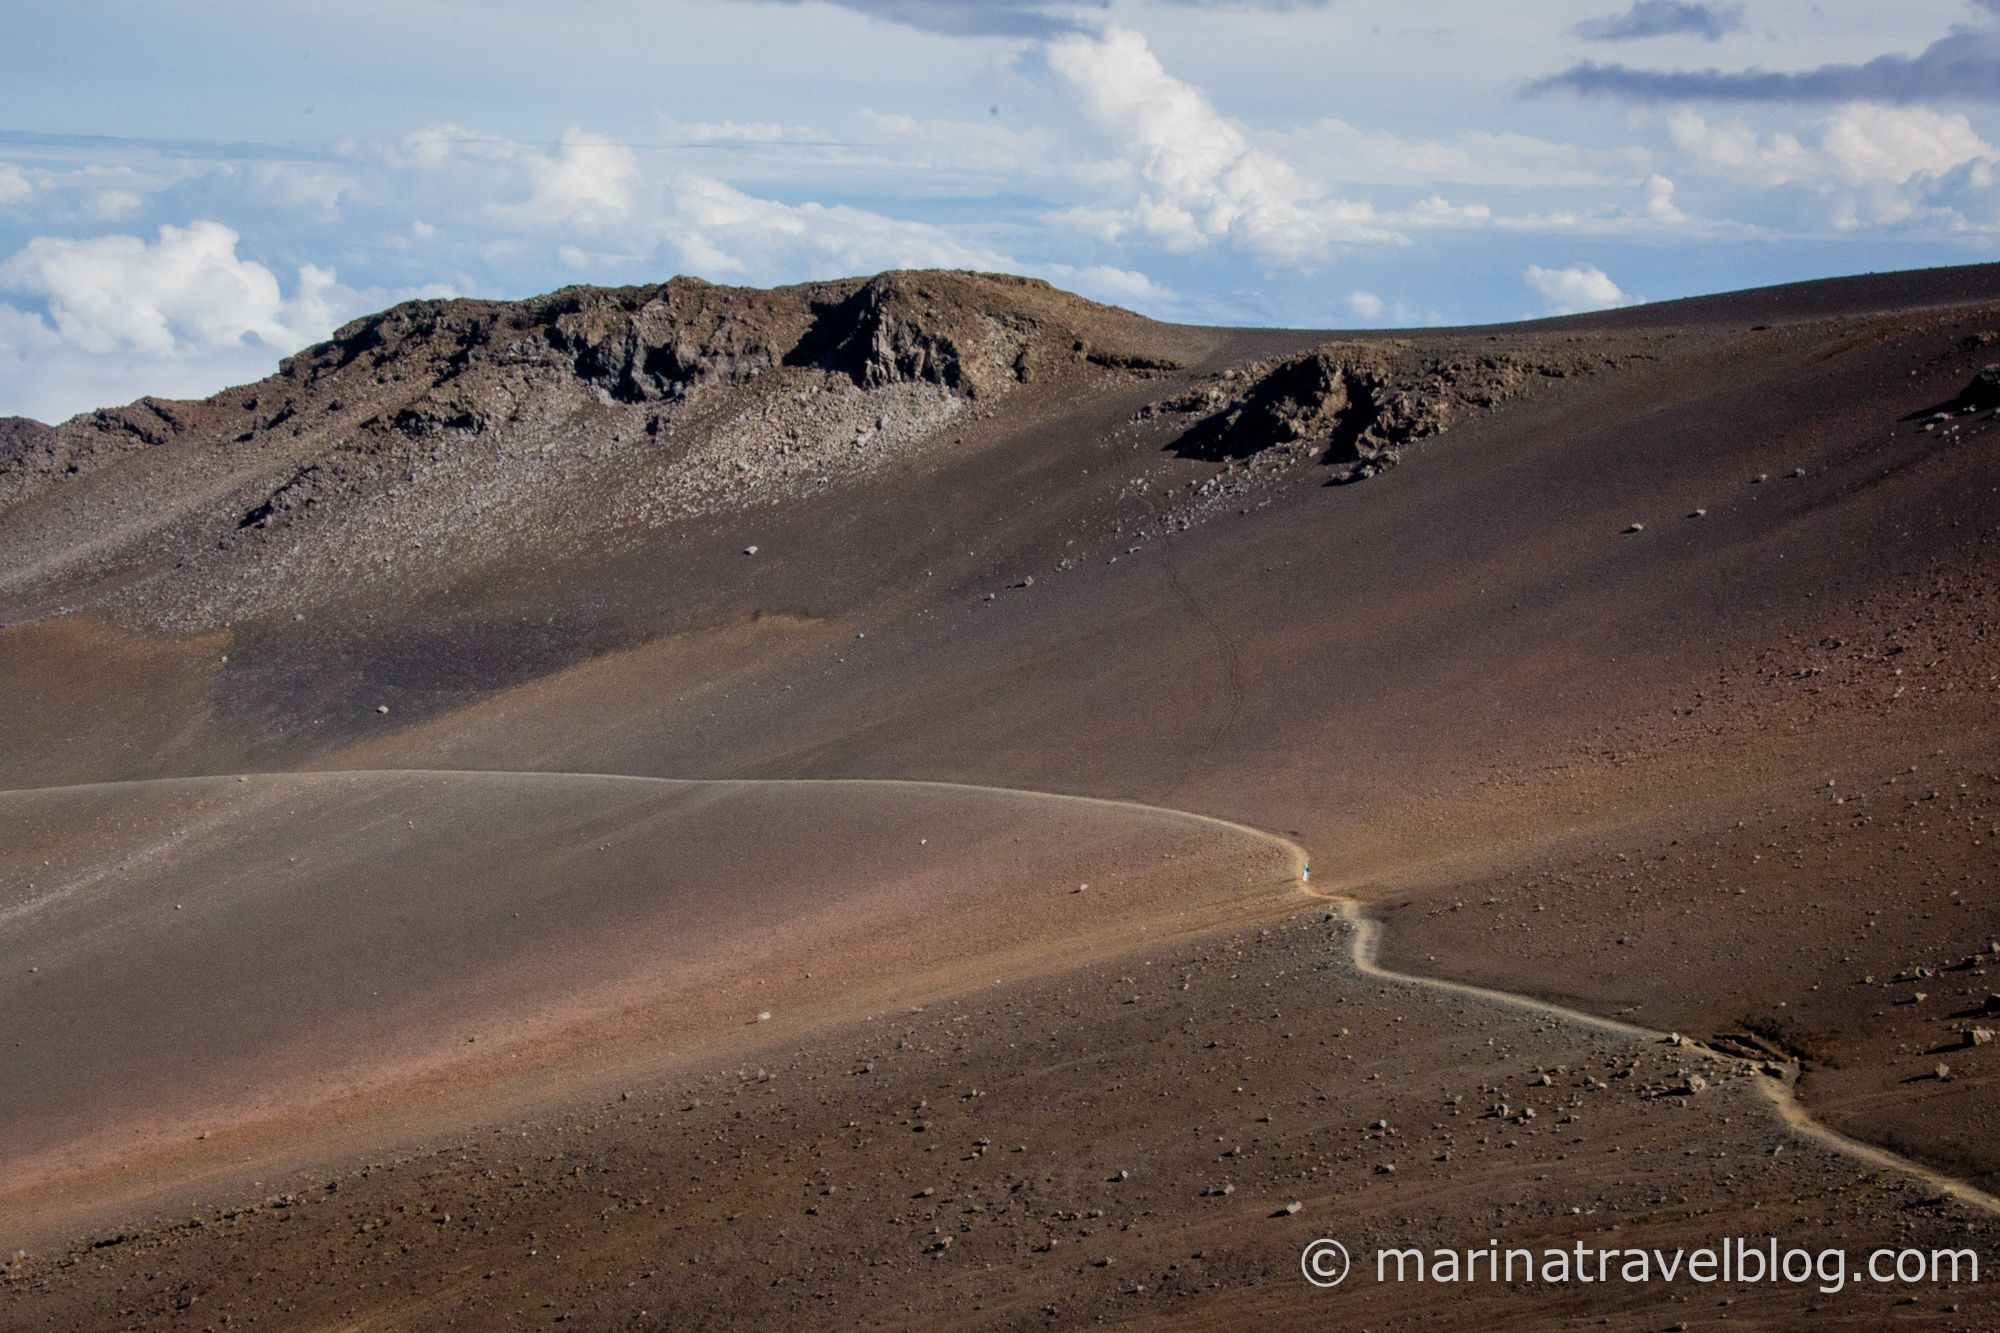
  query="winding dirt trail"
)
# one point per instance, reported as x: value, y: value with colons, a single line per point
x: 1363, y: 936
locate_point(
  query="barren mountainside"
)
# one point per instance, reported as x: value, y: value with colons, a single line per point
x: 792, y: 808
x: 435, y: 438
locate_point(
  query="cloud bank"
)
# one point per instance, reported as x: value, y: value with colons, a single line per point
x: 180, y: 315
x: 1035, y: 20
x: 1663, y: 18
x: 185, y: 291
x: 1964, y: 66
x: 1866, y: 164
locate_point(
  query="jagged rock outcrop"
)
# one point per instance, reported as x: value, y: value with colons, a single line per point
x: 966, y: 332
x: 922, y: 328
x: 431, y: 370
x: 438, y: 434
x: 1359, y: 404
x: 680, y: 338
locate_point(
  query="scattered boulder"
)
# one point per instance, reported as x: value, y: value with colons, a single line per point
x: 1982, y: 394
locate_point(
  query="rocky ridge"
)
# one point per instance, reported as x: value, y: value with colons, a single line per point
x: 473, y: 424
x: 441, y: 438
x: 426, y: 367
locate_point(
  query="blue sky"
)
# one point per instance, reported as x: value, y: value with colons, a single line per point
x: 189, y: 192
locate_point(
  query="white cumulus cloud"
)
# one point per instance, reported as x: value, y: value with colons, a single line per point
x: 607, y: 215
x: 1865, y: 164
x: 1660, y: 203
x: 14, y: 185
x: 718, y: 229
x: 1336, y: 150
x: 185, y: 291
x: 1197, y: 176
x: 1894, y: 144
x: 1102, y: 282
x: 1580, y: 287
x: 103, y: 319
x: 588, y: 181
x: 1859, y: 144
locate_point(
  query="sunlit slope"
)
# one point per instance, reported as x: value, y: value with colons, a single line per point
x: 187, y: 959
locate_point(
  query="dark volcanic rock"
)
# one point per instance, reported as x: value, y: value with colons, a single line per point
x: 1359, y: 403
x: 1983, y: 393
x: 649, y: 345
x: 22, y: 441
x: 922, y: 328
x: 963, y: 331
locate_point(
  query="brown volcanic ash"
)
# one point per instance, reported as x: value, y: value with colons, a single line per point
x: 1657, y: 679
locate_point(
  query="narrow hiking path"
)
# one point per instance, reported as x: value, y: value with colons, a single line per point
x: 1363, y: 935
x: 1364, y: 942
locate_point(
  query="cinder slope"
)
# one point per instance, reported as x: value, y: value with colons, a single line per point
x: 1118, y: 1143
x: 210, y: 979
x: 1573, y: 739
